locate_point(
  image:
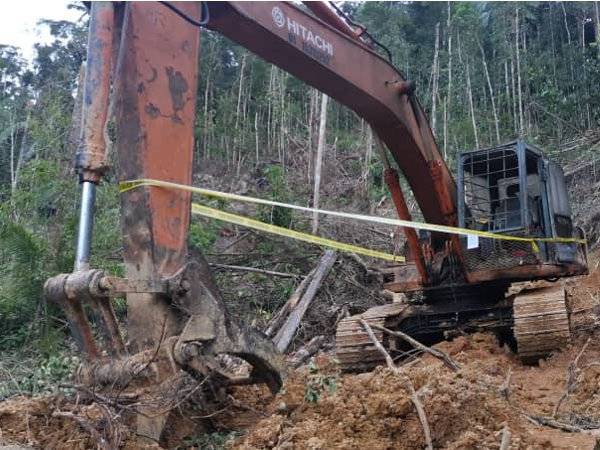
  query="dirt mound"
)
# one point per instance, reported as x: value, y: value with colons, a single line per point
x: 55, y: 422
x: 465, y: 409
x: 321, y: 408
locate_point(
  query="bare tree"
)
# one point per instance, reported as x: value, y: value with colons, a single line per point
x: 469, y: 91
x: 449, y: 87
x: 318, y: 161
x: 489, y: 83
x: 435, y: 74
x: 519, y: 90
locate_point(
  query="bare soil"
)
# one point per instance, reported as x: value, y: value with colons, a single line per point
x: 465, y: 409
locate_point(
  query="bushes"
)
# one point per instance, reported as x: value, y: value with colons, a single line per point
x: 37, y: 240
x: 22, y: 256
x: 276, y: 215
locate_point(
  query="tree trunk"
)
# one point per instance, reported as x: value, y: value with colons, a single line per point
x: 507, y: 89
x: 435, y: 76
x: 13, y: 126
x: 312, y: 114
x: 469, y: 92
x: 270, y: 97
x: 279, y: 318
x: 206, y: 119
x: 240, y: 88
x: 553, y: 47
x: 519, y: 93
x: 597, y: 27
x: 489, y: 83
x: 448, y: 101
x: 514, y: 95
x: 562, y: 4
x: 368, y: 157
x: 256, y: 137
x: 22, y: 149
x: 318, y: 161
x: 284, y: 336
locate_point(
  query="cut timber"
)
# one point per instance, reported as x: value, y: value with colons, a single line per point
x: 306, y: 351
x: 284, y: 336
x: 541, y: 322
x: 279, y: 318
x: 354, y: 348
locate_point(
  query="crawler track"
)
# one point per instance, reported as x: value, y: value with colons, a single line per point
x: 536, y: 314
x: 354, y: 350
x: 541, y: 322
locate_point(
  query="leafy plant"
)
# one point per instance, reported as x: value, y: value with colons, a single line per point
x: 277, y: 215
x: 203, y: 234
x: 48, y: 374
x: 318, y: 384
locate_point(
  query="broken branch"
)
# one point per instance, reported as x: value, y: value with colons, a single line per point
x: 416, y: 344
x: 505, y: 388
x: 254, y: 270
x: 505, y: 441
x: 411, y: 389
x: 571, y: 381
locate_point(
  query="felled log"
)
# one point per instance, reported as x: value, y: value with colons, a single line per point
x: 306, y: 351
x: 279, y: 318
x: 284, y: 336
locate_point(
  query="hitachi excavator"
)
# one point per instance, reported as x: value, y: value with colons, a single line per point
x: 141, y: 77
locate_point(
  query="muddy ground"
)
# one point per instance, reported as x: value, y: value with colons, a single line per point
x: 319, y: 408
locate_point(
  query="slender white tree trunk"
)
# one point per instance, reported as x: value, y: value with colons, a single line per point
x: 519, y: 89
x: 13, y: 177
x: 256, y: 137
x: 206, y: 121
x: 435, y: 78
x: 597, y: 26
x: 368, y: 156
x: 448, y: 101
x: 469, y: 92
x: 240, y: 89
x: 318, y: 161
x: 489, y: 83
x: 22, y: 149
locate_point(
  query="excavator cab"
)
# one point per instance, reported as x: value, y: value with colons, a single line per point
x: 514, y: 189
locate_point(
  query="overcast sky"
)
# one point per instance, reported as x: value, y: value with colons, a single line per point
x: 18, y: 22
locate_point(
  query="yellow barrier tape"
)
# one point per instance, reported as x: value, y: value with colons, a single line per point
x: 274, y: 229
x: 132, y: 184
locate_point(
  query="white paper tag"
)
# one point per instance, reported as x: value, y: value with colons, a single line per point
x: 472, y: 241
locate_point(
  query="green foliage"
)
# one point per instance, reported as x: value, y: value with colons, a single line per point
x: 203, y: 233
x: 49, y: 373
x: 279, y: 191
x: 35, y: 374
x: 318, y: 384
x: 21, y: 276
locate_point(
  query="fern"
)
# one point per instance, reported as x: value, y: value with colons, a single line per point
x: 22, y: 257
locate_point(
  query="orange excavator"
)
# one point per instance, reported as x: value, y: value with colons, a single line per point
x: 142, y: 68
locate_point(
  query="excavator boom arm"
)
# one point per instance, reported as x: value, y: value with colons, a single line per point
x: 347, y: 70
